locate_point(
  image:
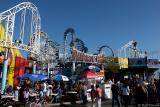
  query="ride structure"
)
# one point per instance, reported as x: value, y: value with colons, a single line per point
x: 48, y: 55
x: 68, y: 32
x: 8, y: 41
x: 130, y: 50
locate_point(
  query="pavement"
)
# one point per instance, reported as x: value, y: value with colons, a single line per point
x: 105, y: 103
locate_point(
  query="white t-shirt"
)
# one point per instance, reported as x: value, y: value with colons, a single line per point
x: 45, y: 87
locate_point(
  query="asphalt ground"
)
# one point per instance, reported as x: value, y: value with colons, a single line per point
x: 106, y: 103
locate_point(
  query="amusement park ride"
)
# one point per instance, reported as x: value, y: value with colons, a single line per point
x: 74, y: 43
x: 39, y: 47
x: 130, y: 50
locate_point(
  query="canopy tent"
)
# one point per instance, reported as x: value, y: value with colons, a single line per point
x: 61, y: 78
x: 89, y: 74
x: 35, y: 77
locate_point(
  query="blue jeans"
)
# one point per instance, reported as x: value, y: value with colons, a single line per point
x: 115, y: 98
x: 98, y: 102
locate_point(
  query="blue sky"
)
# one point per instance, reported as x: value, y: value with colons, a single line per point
x: 99, y: 22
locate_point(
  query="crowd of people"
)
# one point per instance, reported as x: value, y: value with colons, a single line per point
x: 124, y: 92
x: 52, y: 91
x: 131, y: 90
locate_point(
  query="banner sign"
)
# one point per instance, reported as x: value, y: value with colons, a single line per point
x: 123, y: 62
x: 153, y: 63
x: 84, y: 57
x: 137, y: 62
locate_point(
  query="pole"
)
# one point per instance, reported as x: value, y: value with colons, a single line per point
x: 48, y: 69
x: 34, y: 67
x: 73, y: 66
x: 4, y: 73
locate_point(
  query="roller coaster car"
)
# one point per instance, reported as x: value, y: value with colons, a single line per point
x: 18, y: 41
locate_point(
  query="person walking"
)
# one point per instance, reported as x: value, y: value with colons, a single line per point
x: 59, y: 94
x: 140, y: 94
x: 84, y: 93
x: 93, y: 95
x: 115, y: 94
x: 125, y: 94
x: 98, y: 96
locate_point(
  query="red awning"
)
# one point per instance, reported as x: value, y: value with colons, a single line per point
x: 88, y: 74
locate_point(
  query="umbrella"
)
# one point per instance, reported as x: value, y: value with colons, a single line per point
x: 94, y: 68
x: 35, y: 77
x: 61, y: 78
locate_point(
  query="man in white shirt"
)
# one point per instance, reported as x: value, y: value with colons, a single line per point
x: 44, y: 88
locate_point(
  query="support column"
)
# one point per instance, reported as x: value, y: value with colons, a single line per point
x: 34, y: 67
x: 144, y: 75
x: 5, y: 69
x: 73, y: 66
x: 48, y: 69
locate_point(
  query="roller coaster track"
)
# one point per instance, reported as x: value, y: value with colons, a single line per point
x: 9, y: 17
x: 130, y: 50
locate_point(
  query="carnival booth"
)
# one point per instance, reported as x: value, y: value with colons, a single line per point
x: 89, y: 77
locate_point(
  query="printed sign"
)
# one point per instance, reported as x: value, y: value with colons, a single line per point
x: 153, y: 63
